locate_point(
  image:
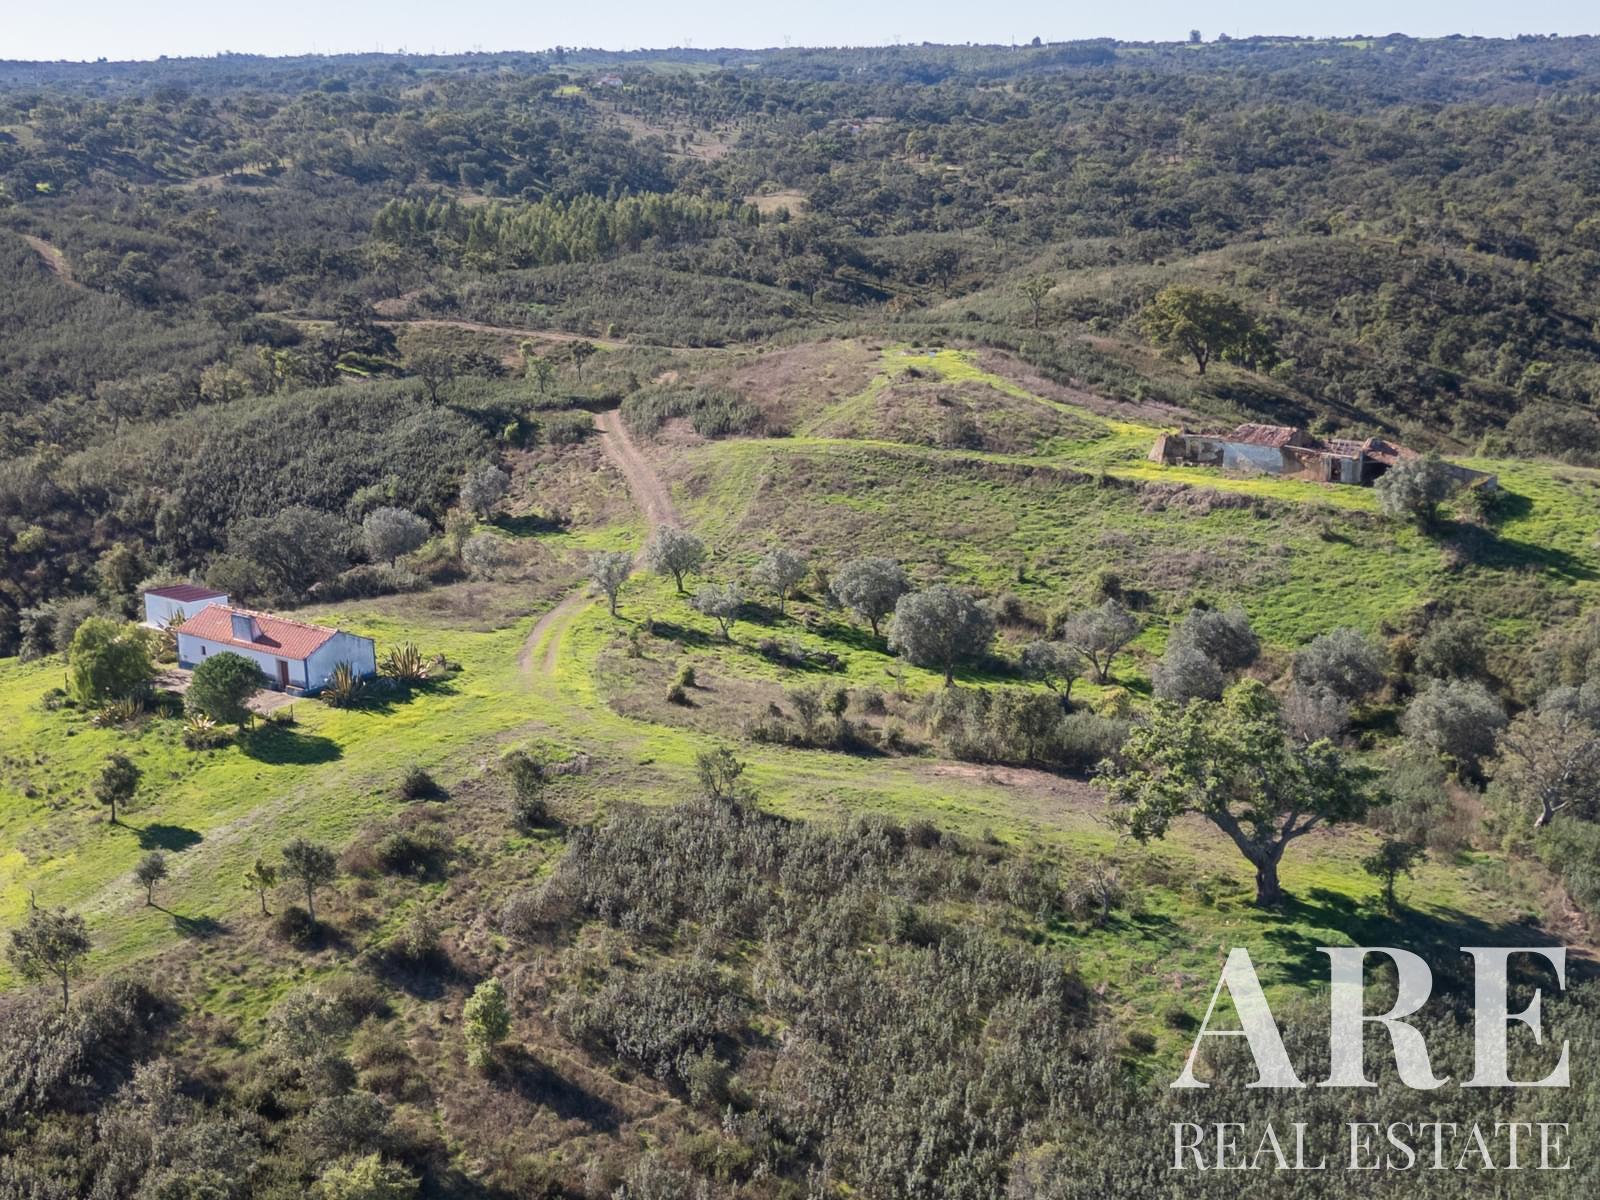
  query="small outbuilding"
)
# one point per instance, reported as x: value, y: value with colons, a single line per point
x: 294, y: 656
x: 178, y: 602
x: 1291, y: 452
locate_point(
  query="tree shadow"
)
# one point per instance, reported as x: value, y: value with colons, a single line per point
x: 1436, y: 934
x: 857, y: 637
x: 280, y: 745
x: 202, y: 927
x: 166, y: 837
x: 540, y: 1084
x: 682, y: 634
x: 529, y: 525
x: 1485, y: 548
x: 427, y: 979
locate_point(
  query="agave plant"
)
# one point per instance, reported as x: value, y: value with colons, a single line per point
x: 405, y: 663
x: 118, y: 712
x: 343, y: 687
x: 198, y: 723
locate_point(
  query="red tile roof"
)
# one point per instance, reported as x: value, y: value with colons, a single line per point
x: 184, y: 593
x: 278, y: 635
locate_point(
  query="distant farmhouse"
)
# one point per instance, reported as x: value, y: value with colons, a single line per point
x: 1292, y: 453
x: 179, y: 602
x: 293, y: 656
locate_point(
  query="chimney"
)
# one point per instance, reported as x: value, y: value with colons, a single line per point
x: 244, y: 627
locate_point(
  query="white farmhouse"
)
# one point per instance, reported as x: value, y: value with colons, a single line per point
x: 181, y: 601
x: 294, y: 656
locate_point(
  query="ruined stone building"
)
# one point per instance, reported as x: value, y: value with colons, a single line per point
x: 1292, y: 453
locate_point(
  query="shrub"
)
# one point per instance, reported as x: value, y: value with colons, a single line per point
x: 368, y: 1178
x: 220, y: 687
x: 1141, y: 1041
x: 488, y: 1021
x: 413, y: 852
x: 526, y: 775
x: 417, y: 784
x: 485, y: 555
x: 686, y: 676
x: 110, y: 660
x: 712, y: 412
x: 566, y: 428
x: 676, y: 694
x: 295, y: 925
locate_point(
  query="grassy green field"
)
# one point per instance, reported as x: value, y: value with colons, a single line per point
x: 1038, y: 524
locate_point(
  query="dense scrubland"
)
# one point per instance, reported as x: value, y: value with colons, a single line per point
x: 815, y: 752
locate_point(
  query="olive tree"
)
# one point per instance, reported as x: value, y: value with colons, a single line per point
x: 311, y: 866
x: 483, y: 488
x: 780, y: 571
x: 1054, y: 664
x: 673, y: 551
x: 261, y: 879
x: 1185, y: 674
x: 485, y: 555
x: 51, y: 944
x: 1341, y: 661
x: 608, y: 571
x: 870, y: 587
x: 118, y: 780
x: 152, y: 869
x: 390, y: 532
x: 1034, y: 289
x: 1393, y: 858
x: 1458, y: 718
x: 941, y: 628
x: 1223, y: 637
x: 1453, y: 648
x: 1413, y: 489
x: 722, y: 603
x: 1231, y: 764
x: 1100, y: 634
x: 1549, y: 758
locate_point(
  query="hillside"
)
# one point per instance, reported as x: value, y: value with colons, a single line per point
x: 781, y: 894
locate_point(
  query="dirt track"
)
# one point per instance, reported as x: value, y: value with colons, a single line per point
x: 55, y: 261
x: 654, y: 501
x: 649, y: 493
x: 547, y: 335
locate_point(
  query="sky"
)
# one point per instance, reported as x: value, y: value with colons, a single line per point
x: 124, y: 29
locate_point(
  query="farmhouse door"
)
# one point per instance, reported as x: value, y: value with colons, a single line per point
x: 283, y: 674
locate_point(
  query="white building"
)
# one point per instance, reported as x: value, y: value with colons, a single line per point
x: 294, y: 656
x: 181, y: 600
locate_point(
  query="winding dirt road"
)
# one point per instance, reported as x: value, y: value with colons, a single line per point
x: 653, y: 500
